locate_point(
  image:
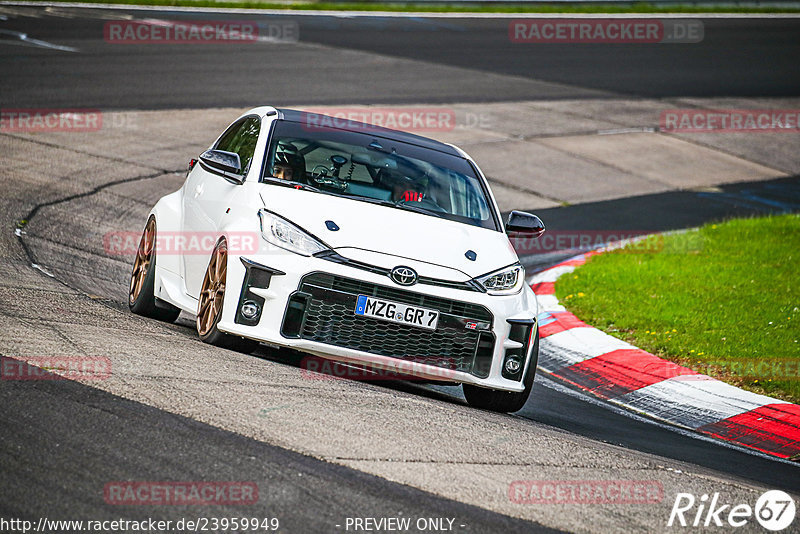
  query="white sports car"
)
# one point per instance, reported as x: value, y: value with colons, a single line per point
x: 355, y: 243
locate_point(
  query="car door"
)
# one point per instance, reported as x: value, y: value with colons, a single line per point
x: 206, y: 196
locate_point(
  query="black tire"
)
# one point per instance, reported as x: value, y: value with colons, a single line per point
x: 141, y: 294
x: 209, y: 305
x: 504, y: 401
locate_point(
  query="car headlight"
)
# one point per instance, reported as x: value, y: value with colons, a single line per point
x: 281, y: 233
x: 506, y: 281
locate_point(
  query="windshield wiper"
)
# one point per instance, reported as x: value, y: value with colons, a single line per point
x: 396, y: 205
x: 417, y: 209
x: 371, y: 200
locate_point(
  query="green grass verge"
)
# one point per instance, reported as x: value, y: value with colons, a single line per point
x: 638, y: 7
x: 723, y: 300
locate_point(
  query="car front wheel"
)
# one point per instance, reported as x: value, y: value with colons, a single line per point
x: 504, y: 401
x: 209, y: 306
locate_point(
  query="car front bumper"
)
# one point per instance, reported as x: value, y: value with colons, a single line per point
x: 497, y: 326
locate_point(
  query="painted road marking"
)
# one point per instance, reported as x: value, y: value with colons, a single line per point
x: 24, y: 38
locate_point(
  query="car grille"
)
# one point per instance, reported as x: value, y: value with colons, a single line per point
x: 330, y: 255
x: 329, y: 302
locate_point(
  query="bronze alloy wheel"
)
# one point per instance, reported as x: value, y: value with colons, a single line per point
x: 213, y: 292
x: 141, y: 296
x: 144, y: 257
x: 209, y: 307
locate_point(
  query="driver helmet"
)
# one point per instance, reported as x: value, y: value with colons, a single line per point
x: 282, y: 168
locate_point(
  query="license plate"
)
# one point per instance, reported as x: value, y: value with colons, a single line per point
x: 396, y: 312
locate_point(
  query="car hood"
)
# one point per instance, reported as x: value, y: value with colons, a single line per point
x: 371, y: 228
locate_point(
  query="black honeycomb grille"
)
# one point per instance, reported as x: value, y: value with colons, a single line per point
x: 330, y: 318
x: 475, y: 312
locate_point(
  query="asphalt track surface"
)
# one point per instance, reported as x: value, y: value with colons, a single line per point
x: 70, y: 438
x: 464, y: 60
x: 75, y: 435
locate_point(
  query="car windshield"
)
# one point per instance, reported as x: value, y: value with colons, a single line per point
x: 377, y: 169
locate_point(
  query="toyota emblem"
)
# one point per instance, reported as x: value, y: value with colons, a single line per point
x: 405, y: 276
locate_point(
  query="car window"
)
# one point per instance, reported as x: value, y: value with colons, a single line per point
x: 320, y: 157
x: 401, y: 175
x: 241, y: 138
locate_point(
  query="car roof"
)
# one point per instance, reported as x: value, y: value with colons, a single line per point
x: 294, y: 115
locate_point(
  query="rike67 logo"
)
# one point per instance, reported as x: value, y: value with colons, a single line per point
x: 774, y: 510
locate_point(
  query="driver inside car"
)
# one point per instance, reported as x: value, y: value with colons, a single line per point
x: 289, y: 163
x: 283, y: 171
x: 289, y: 166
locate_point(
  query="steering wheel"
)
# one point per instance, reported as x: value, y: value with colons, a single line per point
x: 323, y: 170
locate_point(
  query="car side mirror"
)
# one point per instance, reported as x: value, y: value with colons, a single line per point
x: 225, y: 163
x: 524, y: 224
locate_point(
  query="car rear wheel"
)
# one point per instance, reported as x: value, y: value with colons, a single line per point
x: 209, y: 307
x: 504, y: 401
x: 141, y: 297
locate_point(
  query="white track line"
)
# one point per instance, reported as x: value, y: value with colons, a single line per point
x: 416, y: 14
x: 23, y: 38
